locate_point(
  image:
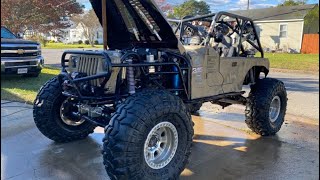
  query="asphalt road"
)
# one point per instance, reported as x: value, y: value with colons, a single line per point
x: 303, y: 89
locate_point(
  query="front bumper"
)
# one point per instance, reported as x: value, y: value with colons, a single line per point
x: 11, y: 65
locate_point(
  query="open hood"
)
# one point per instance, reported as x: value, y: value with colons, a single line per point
x: 135, y: 23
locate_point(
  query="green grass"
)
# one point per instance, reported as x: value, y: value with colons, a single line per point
x: 304, y: 62
x: 69, y: 46
x: 23, y: 89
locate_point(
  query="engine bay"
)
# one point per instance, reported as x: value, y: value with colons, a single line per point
x: 97, y: 86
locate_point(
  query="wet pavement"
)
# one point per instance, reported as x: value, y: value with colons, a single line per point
x: 224, y: 148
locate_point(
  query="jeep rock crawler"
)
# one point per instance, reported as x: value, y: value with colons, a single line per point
x: 144, y: 86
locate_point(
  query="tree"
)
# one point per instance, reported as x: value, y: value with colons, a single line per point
x: 38, y: 15
x: 312, y: 21
x: 89, y: 23
x: 190, y: 8
x: 293, y: 2
x: 164, y: 6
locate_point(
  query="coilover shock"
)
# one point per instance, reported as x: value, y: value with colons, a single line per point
x: 130, y: 78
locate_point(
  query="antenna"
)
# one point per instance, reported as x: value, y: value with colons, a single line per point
x: 248, y: 7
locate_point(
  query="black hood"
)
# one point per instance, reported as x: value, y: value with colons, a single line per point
x: 17, y: 41
x: 135, y: 23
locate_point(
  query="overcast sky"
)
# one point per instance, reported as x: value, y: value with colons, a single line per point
x: 223, y: 5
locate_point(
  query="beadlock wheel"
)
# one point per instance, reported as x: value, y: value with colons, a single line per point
x: 161, y: 145
x: 65, y: 119
x: 275, y: 108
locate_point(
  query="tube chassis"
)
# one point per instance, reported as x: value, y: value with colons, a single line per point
x: 226, y: 98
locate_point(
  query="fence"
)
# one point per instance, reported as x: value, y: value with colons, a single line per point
x: 310, y: 44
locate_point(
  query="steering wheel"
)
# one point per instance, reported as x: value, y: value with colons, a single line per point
x: 189, y: 30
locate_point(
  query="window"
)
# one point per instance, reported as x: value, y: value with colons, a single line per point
x: 5, y: 33
x: 283, y: 30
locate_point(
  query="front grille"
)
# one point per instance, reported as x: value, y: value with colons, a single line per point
x: 90, y: 65
x: 27, y: 63
x: 19, y: 47
x: 34, y: 54
x: 19, y: 50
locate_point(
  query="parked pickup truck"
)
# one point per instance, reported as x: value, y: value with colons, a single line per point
x: 20, y: 56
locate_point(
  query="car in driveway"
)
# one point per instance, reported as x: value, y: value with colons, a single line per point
x: 19, y: 56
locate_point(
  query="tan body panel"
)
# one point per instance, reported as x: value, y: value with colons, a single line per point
x: 213, y: 75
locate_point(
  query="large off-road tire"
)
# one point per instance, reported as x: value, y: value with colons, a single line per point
x: 194, y: 108
x: 150, y: 123
x: 266, y: 106
x: 48, y: 119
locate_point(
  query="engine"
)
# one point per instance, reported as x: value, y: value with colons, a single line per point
x: 131, y: 71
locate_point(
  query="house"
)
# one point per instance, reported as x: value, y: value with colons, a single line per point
x: 57, y: 35
x: 76, y: 33
x: 281, y: 27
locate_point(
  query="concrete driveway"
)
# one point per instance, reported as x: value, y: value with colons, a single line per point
x: 224, y: 148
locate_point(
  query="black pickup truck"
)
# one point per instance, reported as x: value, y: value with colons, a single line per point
x: 20, y: 56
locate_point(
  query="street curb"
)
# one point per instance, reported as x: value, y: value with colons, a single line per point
x: 294, y: 71
x: 6, y: 103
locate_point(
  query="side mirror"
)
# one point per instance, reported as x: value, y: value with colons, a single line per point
x: 19, y: 36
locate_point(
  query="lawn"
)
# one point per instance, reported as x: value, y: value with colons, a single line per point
x: 69, y: 46
x: 23, y: 89
x: 17, y: 88
x: 304, y: 62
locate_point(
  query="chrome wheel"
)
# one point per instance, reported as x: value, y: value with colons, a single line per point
x: 65, y: 118
x: 161, y: 145
x: 275, y: 108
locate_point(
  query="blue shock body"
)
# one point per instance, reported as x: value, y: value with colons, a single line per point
x: 176, y: 80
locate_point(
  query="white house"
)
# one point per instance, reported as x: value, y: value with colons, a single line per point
x: 76, y: 33
x: 280, y: 27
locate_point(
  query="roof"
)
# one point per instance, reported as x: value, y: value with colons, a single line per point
x: 277, y: 13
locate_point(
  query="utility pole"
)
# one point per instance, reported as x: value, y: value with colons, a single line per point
x: 104, y: 24
x: 248, y: 7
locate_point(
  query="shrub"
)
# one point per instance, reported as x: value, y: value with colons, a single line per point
x: 40, y: 39
x: 96, y: 42
x: 80, y: 42
x: 43, y: 41
x: 87, y: 42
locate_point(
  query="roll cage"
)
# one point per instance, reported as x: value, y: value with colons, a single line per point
x: 225, y: 18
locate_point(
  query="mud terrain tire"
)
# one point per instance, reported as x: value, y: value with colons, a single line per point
x: 259, y: 116
x: 124, y: 145
x: 46, y: 114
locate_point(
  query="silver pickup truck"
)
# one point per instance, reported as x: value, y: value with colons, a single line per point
x: 20, y: 56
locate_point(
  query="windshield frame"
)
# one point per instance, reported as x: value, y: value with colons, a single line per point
x: 9, y: 32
